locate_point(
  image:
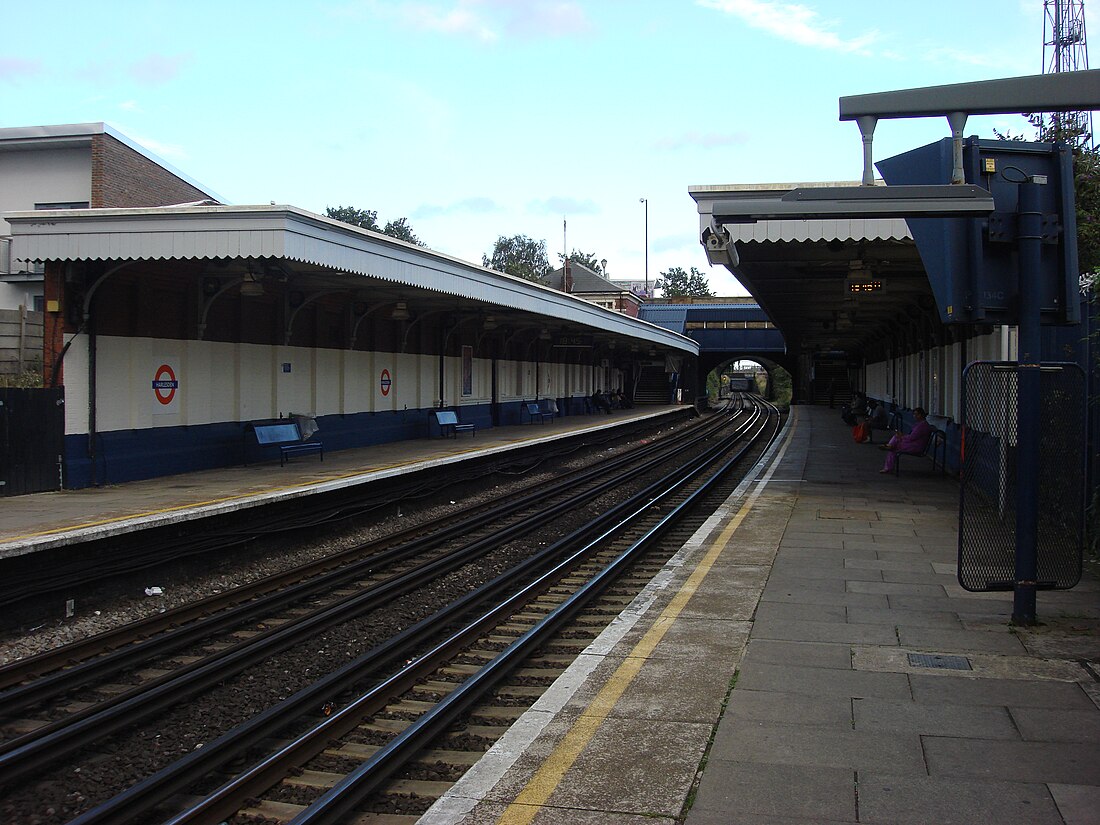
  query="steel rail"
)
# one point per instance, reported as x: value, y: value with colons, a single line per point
x: 369, y: 776
x: 256, y: 598
x: 31, y: 752
x: 176, y: 777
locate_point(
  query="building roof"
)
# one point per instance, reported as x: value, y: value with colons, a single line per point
x: 327, y: 252
x: 584, y: 280
x: 75, y: 135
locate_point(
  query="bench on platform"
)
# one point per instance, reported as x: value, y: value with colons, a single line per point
x: 288, y: 438
x: 536, y: 413
x: 449, y: 425
x: 936, y: 444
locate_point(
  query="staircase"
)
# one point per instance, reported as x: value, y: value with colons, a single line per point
x: 652, y: 386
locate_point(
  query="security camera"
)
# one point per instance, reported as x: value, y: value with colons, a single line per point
x: 719, y: 246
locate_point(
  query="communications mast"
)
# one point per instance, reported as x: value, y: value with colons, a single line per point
x: 1065, y: 50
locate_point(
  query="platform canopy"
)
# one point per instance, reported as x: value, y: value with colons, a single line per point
x: 311, y: 254
x: 830, y: 285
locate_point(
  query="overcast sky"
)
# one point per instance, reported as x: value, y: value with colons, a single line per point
x: 480, y: 118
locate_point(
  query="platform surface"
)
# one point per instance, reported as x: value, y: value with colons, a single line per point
x: 42, y: 520
x: 796, y: 649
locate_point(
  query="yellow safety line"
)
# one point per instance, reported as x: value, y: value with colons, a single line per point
x: 547, y: 778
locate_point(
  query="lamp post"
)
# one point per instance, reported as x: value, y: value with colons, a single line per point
x: 646, y: 202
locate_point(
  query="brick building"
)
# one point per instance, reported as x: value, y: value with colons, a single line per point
x: 76, y: 166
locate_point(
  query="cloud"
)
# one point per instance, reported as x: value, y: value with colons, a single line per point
x: 674, y: 243
x: 561, y: 205
x: 167, y: 151
x: 791, y: 21
x: 15, y: 67
x: 702, y: 140
x: 130, y: 106
x: 158, y: 68
x: 485, y: 21
x: 467, y: 206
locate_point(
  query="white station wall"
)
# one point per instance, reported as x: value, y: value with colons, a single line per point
x: 220, y: 382
x: 932, y: 379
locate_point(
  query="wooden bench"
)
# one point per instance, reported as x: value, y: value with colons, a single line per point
x: 537, y: 413
x: 288, y: 438
x: 449, y: 425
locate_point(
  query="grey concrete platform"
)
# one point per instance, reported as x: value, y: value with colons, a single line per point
x: 764, y: 676
x: 36, y: 522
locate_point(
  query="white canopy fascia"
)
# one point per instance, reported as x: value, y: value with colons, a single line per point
x: 213, y: 232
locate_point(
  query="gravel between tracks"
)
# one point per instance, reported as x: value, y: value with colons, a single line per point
x: 59, y: 795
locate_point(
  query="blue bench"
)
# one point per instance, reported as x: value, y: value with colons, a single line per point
x: 288, y: 438
x: 937, y: 444
x: 537, y: 413
x: 449, y: 425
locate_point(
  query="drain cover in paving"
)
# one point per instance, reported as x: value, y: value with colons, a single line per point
x: 938, y: 661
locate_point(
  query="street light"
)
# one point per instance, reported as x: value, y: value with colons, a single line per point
x: 646, y: 202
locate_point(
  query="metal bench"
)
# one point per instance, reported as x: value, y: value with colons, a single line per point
x: 936, y: 444
x: 537, y: 413
x: 288, y: 438
x: 449, y: 425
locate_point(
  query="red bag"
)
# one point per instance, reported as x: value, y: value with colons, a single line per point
x: 860, y: 433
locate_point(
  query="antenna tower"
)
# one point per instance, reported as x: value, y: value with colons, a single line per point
x: 1065, y: 50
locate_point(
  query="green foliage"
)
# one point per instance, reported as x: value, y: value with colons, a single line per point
x: 30, y: 378
x: 676, y: 283
x: 520, y: 256
x: 401, y: 230
x: 368, y: 219
x: 584, y: 258
x: 782, y: 386
x: 363, y: 218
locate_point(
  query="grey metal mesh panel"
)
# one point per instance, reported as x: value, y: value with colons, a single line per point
x: 987, y: 505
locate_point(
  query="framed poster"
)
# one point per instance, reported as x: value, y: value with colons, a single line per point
x: 467, y: 371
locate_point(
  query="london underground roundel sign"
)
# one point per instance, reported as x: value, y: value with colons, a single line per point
x: 385, y: 382
x: 165, y: 384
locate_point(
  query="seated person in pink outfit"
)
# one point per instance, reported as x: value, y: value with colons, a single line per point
x: 914, y: 443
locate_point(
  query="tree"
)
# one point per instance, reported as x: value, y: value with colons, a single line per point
x: 675, y: 283
x: 401, y: 230
x: 585, y: 259
x: 363, y: 218
x: 368, y: 219
x: 520, y: 256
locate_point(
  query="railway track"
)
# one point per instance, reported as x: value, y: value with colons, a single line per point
x: 420, y: 646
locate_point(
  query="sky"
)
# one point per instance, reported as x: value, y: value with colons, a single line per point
x: 476, y: 119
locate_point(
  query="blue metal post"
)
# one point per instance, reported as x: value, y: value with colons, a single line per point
x: 1028, y: 405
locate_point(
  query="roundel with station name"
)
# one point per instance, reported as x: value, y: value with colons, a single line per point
x: 385, y: 382
x: 165, y: 384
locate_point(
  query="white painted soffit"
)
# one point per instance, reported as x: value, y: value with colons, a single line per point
x: 211, y: 232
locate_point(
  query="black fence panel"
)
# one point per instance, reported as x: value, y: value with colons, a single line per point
x: 987, y: 499
x: 32, y: 436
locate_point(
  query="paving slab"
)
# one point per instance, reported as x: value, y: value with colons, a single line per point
x: 940, y: 720
x: 1071, y: 763
x: 808, y: 681
x: 1006, y: 692
x: 908, y: 800
x: 960, y: 641
x: 790, y: 708
x: 804, y: 654
x: 733, y: 791
x: 1049, y: 725
x: 793, y: 630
